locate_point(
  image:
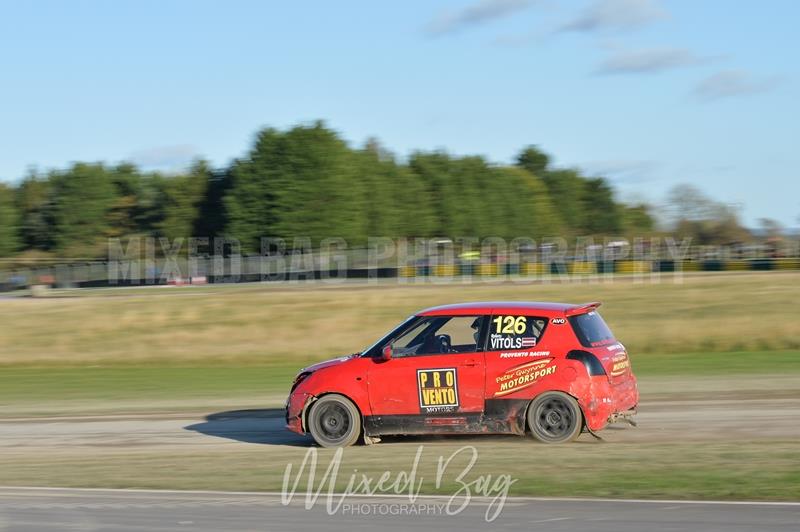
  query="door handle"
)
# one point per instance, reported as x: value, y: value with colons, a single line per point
x: 471, y: 362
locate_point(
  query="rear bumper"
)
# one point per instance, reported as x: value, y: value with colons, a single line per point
x: 610, y: 402
x: 626, y: 416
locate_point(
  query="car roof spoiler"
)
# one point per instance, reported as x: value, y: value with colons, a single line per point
x: 582, y: 309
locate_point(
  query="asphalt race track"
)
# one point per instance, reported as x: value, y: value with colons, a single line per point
x: 722, y: 419
x: 61, y: 509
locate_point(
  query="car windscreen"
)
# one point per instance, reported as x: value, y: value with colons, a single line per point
x: 375, y: 348
x: 590, y: 329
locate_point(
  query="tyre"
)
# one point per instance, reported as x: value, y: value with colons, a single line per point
x: 555, y: 417
x: 334, y: 421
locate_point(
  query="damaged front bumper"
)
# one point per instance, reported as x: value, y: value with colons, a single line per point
x: 295, y: 407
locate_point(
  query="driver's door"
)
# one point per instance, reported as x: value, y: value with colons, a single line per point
x: 437, y: 370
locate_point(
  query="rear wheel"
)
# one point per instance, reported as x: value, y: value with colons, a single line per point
x: 334, y: 421
x: 555, y: 417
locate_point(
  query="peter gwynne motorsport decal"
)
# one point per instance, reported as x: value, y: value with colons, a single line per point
x: 524, y: 375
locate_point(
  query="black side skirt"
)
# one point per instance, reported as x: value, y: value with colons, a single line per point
x: 500, y: 416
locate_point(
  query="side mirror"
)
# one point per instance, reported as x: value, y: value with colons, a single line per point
x: 386, y: 353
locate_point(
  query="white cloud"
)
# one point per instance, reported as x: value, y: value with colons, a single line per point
x: 616, y: 15
x: 648, y: 61
x: 730, y: 84
x: 473, y: 15
x: 164, y: 157
x: 623, y: 171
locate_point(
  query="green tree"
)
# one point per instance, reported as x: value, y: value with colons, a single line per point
x: 394, y: 201
x: 601, y: 214
x: 83, y: 198
x: 636, y: 219
x: 568, y: 190
x: 249, y: 198
x: 442, y: 183
x: 180, y: 202
x: 128, y: 210
x: 300, y: 183
x: 33, y: 197
x: 9, y: 222
x: 414, y: 212
x: 694, y: 215
x: 522, y: 202
x: 316, y: 190
x: 211, y: 220
x: 307, y: 182
x: 534, y: 161
x: 473, y: 184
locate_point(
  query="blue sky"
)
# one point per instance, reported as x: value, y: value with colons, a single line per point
x: 648, y: 93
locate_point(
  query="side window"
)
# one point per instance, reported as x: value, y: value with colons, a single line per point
x: 507, y: 331
x: 462, y: 333
x: 441, y: 335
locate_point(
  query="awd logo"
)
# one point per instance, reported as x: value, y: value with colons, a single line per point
x: 438, y: 390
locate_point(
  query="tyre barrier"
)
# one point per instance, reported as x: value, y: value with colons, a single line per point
x: 576, y: 268
x: 625, y: 267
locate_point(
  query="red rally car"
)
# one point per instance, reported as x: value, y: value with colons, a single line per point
x: 549, y: 369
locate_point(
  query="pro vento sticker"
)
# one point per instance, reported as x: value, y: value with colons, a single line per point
x: 438, y: 390
x: 519, y: 377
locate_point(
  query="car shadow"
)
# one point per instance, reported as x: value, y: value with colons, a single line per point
x: 261, y: 426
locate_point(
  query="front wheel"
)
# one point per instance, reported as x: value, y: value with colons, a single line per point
x: 334, y: 421
x: 555, y: 417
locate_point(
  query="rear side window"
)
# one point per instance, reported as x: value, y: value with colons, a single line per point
x: 590, y: 329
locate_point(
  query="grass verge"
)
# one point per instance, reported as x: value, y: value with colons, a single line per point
x: 735, y: 470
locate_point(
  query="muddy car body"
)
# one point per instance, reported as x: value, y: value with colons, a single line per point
x: 551, y: 370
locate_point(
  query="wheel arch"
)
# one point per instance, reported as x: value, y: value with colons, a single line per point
x: 525, y: 410
x: 314, y: 398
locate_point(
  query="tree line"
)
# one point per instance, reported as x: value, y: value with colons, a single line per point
x: 307, y: 181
